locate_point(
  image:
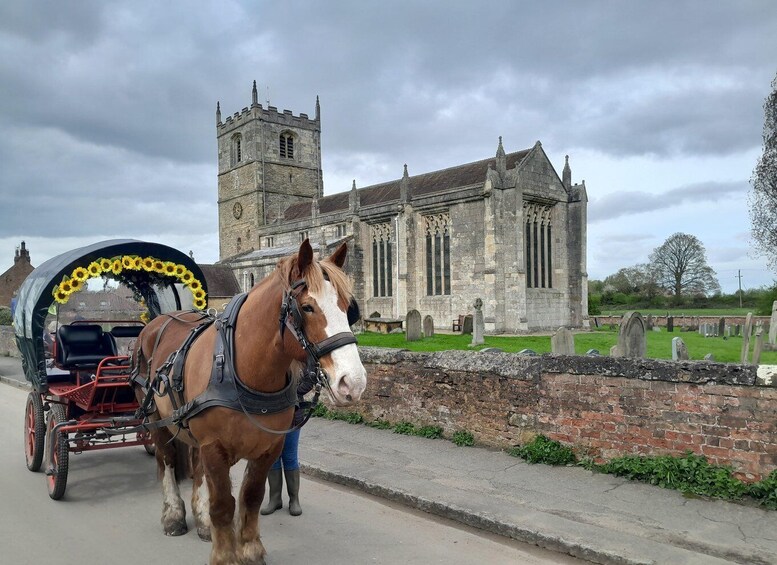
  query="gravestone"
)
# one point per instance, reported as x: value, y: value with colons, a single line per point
x: 670, y: 324
x: 615, y: 352
x: 746, y: 338
x: 428, y: 326
x: 709, y: 357
x: 478, y: 327
x: 466, y: 326
x: 759, y: 345
x: 375, y: 314
x: 592, y: 352
x: 491, y: 350
x: 649, y: 322
x: 773, y: 324
x: 413, y: 326
x: 632, y: 341
x: 736, y: 330
x: 679, y: 350
x: 527, y: 352
x: 721, y: 327
x: 562, y: 342
x: 596, y: 322
x: 656, y: 329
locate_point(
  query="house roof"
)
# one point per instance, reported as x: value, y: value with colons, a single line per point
x: 420, y: 185
x: 221, y: 280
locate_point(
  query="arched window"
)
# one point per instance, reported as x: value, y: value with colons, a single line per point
x: 237, y: 149
x: 438, y: 254
x: 286, y: 146
x: 381, y: 260
x: 538, y: 241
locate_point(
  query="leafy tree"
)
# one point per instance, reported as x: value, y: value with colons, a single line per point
x: 641, y: 280
x: 680, y: 266
x: 763, y: 197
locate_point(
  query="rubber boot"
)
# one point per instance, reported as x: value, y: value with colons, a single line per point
x: 292, y: 487
x: 274, y: 501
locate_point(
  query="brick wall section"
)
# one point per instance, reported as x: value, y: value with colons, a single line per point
x: 604, y: 407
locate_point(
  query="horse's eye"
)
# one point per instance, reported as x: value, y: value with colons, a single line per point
x: 308, y: 308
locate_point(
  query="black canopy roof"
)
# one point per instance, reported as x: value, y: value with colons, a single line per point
x: 35, y: 295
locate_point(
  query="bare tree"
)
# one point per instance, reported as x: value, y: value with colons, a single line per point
x: 680, y: 266
x: 763, y: 197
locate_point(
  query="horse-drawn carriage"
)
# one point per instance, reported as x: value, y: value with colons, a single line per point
x: 82, y: 398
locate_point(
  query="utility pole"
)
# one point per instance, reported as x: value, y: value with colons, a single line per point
x: 739, y: 276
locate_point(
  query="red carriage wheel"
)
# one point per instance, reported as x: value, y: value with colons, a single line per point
x: 57, y: 474
x: 34, y: 432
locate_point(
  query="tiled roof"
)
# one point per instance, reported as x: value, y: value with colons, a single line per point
x: 420, y: 185
x: 220, y: 279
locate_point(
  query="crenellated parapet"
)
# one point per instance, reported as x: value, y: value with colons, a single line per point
x: 269, y: 114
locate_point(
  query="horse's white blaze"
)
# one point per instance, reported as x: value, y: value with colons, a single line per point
x: 173, y: 503
x: 349, y: 378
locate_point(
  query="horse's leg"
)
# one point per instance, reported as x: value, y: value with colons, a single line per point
x: 173, y: 509
x: 250, y: 548
x: 200, y: 498
x: 222, y: 504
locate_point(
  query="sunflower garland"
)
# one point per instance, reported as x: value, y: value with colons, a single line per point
x: 114, y: 266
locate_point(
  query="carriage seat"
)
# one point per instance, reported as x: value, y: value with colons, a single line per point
x: 83, y: 346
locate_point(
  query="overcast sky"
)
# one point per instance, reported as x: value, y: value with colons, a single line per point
x: 107, y: 110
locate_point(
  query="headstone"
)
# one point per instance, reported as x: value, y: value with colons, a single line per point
x: 702, y: 330
x: 746, y: 338
x: 527, y: 352
x: 478, y: 327
x: 709, y: 357
x: 632, y: 341
x: 721, y: 327
x: 773, y: 324
x: 615, y: 352
x: 491, y: 350
x: 596, y: 322
x: 375, y: 314
x: 656, y: 329
x: 649, y: 322
x: 562, y: 342
x: 759, y: 345
x: 593, y: 352
x: 413, y: 326
x: 679, y: 350
x: 428, y: 326
x: 466, y: 327
x: 670, y: 324
x: 736, y: 330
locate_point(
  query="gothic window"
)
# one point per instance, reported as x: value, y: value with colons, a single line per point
x: 237, y: 149
x: 538, y: 245
x: 382, y: 259
x: 251, y: 280
x: 303, y: 235
x: 438, y: 254
x: 286, y: 146
x: 340, y: 230
x: 269, y: 241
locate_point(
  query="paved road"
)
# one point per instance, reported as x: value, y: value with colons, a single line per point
x: 111, y: 511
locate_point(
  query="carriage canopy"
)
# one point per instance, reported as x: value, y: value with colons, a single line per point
x: 163, y: 277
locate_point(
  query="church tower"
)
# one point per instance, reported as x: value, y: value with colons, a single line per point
x: 267, y: 160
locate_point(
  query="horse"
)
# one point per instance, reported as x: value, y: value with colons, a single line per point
x: 295, y: 316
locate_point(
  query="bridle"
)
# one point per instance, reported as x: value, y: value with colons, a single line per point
x: 291, y: 317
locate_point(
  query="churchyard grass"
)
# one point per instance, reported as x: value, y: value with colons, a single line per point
x: 659, y: 344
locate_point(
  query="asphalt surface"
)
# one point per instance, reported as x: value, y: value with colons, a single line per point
x: 599, y: 518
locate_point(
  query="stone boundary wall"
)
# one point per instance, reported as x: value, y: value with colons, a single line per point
x: 8, y: 342
x: 680, y: 321
x: 604, y: 407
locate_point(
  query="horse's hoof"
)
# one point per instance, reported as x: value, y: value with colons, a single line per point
x: 204, y: 533
x: 252, y: 553
x: 176, y: 529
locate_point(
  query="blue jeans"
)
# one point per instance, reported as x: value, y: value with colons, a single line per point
x: 289, y: 455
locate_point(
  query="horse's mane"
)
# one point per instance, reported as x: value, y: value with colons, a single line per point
x: 315, y: 276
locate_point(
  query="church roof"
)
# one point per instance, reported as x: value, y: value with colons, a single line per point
x: 419, y: 185
x: 221, y: 280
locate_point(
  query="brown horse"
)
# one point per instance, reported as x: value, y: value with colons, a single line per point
x: 263, y: 352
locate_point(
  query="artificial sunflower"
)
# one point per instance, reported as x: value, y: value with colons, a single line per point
x: 76, y: 285
x: 169, y: 268
x: 144, y: 317
x: 66, y: 286
x: 159, y: 266
x: 198, y: 294
x: 116, y: 267
x: 94, y: 269
x: 179, y: 270
x: 200, y: 304
x: 127, y: 262
x: 194, y: 284
x: 148, y: 263
x: 80, y: 274
x: 186, y: 277
x: 61, y: 296
x: 106, y: 264
x: 137, y: 263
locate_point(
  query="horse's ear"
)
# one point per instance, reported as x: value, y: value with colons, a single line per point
x: 304, y: 257
x: 338, y: 257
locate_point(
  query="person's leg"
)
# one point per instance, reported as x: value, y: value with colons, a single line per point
x: 290, y: 457
x: 275, y: 480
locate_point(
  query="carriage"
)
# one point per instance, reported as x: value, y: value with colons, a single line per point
x: 82, y: 398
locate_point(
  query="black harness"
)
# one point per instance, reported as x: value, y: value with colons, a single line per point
x: 225, y: 388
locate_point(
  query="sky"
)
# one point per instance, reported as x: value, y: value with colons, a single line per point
x: 107, y: 110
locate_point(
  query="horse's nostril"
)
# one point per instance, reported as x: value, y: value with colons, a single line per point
x: 348, y: 397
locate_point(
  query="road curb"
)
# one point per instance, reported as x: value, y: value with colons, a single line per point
x: 14, y: 383
x: 476, y: 520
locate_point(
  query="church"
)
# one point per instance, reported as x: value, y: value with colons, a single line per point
x: 506, y: 229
